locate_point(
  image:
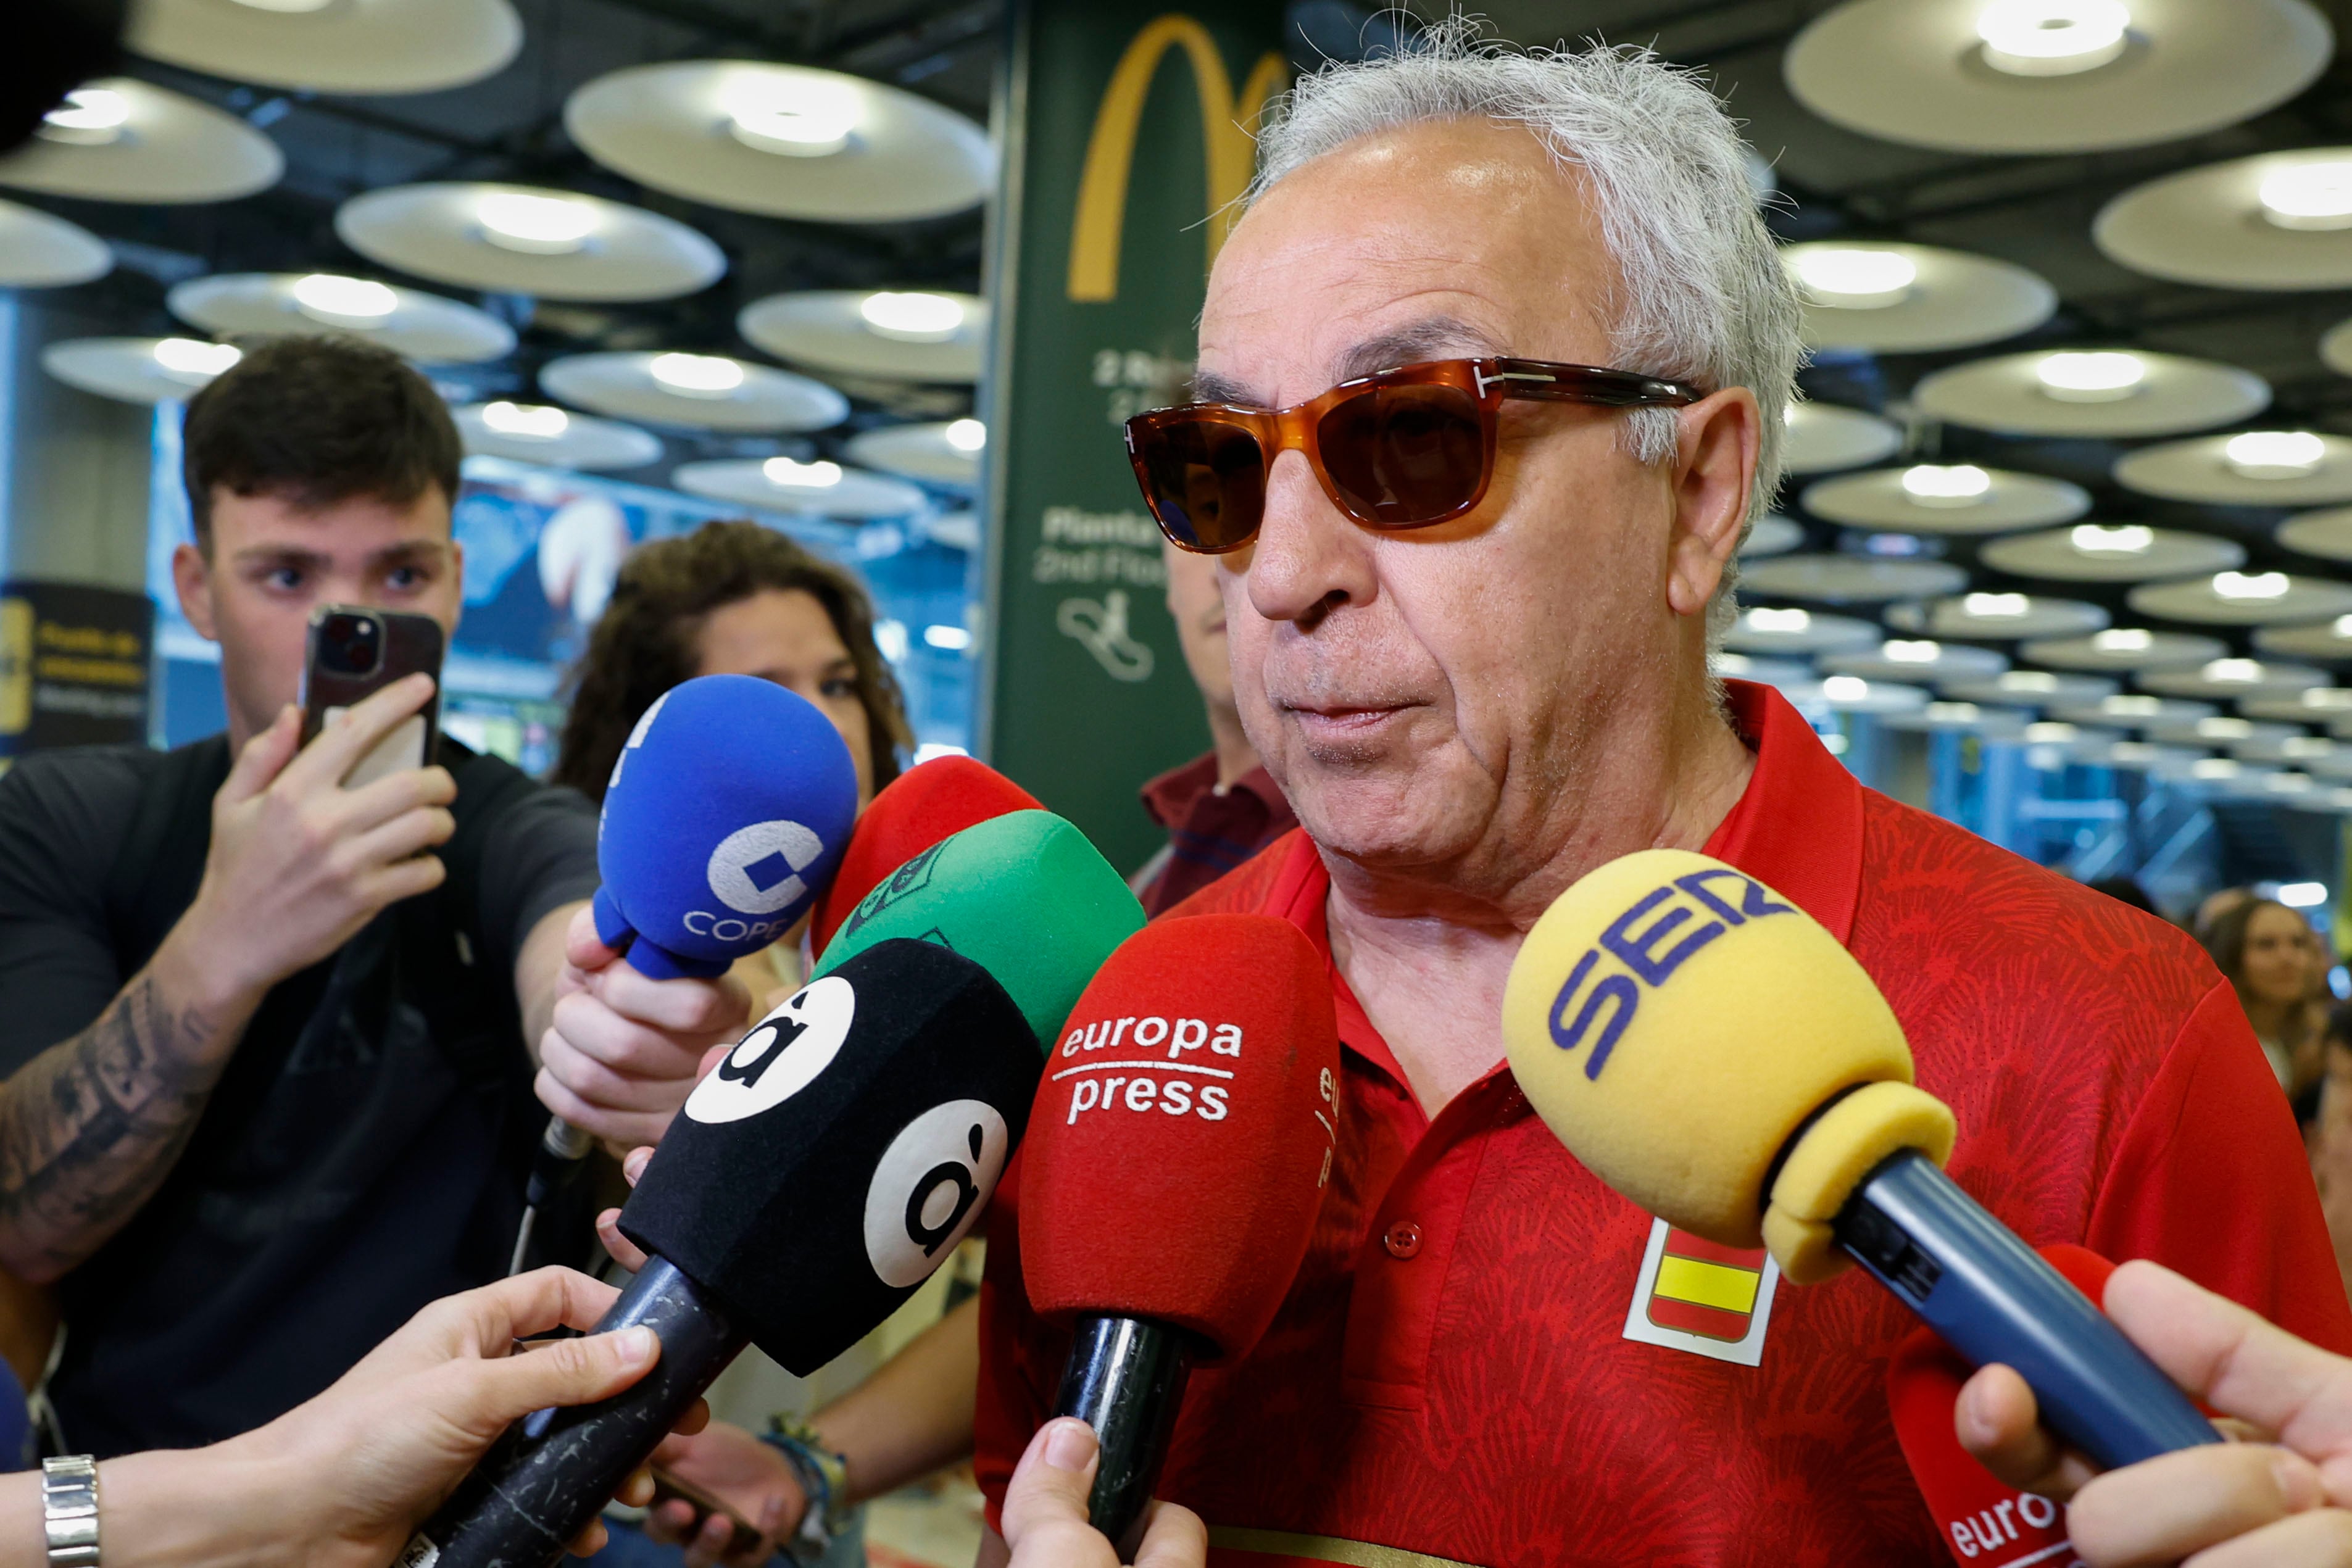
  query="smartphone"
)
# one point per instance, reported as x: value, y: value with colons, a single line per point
x: 668, y: 1488
x: 354, y: 651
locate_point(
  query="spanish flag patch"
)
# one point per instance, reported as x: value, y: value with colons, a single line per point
x: 1696, y: 1296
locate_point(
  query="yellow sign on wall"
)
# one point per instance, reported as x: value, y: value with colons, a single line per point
x: 15, y: 666
x: 1226, y: 123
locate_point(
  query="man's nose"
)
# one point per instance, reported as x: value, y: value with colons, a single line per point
x: 1310, y: 557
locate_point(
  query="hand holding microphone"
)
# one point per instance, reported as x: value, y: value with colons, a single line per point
x: 825, y: 1166
x: 1707, y: 1050
x: 725, y: 814
x: 2280, y: 1499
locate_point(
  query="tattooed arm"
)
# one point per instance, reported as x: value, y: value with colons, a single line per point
x: 90, y: 1127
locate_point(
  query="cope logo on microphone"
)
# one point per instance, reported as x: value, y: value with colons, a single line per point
x: 756, y: 869
x: 930, y: 1187
x: 781, y: 1056
x: 1717, y: 898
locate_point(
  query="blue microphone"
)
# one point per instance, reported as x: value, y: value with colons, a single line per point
x: 726, y: 814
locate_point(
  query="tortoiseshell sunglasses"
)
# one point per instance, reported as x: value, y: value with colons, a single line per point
x: 1405, y: 448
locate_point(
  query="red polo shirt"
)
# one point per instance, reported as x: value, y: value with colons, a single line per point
x: 1450, y: 1377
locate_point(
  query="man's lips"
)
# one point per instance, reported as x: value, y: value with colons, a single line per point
x: 1339, y: 717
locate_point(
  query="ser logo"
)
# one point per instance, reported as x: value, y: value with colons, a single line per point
x: 1717, y: 899
x: 930, y: 1186
x: 782, y: 1055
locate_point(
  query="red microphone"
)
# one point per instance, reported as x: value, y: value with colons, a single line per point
x: 1178, y: 1152
x: 924, y: 806
x: 1985, y: 1523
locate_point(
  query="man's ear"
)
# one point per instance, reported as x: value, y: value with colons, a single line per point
x: 192, y: 579
x: 1714, y: 468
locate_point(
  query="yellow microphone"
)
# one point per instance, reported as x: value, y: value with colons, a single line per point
x: 1707, y: 1049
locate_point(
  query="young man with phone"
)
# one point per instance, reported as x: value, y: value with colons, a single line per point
x: 272, y: 1022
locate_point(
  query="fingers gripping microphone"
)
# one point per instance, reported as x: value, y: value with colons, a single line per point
x: 923, y: 805
x: 1985, y: 1521
x: 726, y: 813
x: 1709, y: 1052
x: 1180, y: 1146
x: 812, y: 1181
x: 1023, y: 895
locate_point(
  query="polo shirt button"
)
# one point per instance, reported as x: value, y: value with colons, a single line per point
x: 1403, y: 1238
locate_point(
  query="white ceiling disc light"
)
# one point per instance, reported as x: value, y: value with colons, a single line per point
x: 2243, y: 598
x: 2231, y: 678
x: 558, y: 438
x: 706, y: 392
x: 941, y: 452
x: 1946, y: 498
x: 2113, y: 552
x: 2251, y: 468
x: 1852, y: 693
x: 818, y: 489
x: 1772, y: 534
x: 2107, y: 393
x: 2030, y: 688
x: 1785, y: 632
x: 411, y: 324
x: 121, y: 140
x: 2134, y: 710
x: 2328, y: 639
x: 2053, y: 76
x: 1950, y: 716
x: 331, y: 45
x: 2286, y: 744
x: 920, y: 335
x: 1733, y: 666
x: 1891, y: 297
x: 1917, y: 659
x: 137, y: 370
x: 2277, y: 219
x: 1850, y: 579
x: 2326, y: 533
x: 2312, y: 704
x: 786, y: 141
x: 1824, y: 438
x: 2124, y: 650
x: 38, y: 251
x: 521, y: 239
x: 1998, y: 616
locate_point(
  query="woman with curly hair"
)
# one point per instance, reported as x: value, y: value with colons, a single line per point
x: 737, y: 598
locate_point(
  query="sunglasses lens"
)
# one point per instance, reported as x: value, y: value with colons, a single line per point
x: 1205, y: 481
x: 1404, y: 454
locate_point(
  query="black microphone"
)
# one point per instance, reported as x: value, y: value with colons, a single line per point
x: 819, y: 1174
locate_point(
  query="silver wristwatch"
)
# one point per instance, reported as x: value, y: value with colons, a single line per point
x: 69, y: 1510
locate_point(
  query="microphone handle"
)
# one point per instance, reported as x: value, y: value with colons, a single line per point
x: 551, y: 1472
x: 1125, y: 1379
x: 562, y: 1148
x: 1992, y: 1298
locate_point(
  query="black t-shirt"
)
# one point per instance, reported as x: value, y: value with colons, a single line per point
x: 365, y: 1151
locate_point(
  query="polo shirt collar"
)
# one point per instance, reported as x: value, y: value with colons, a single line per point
x: 1797, y: 827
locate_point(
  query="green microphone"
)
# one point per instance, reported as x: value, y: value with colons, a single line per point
x: 1023, y: 895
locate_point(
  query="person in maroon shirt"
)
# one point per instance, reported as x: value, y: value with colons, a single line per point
x: 1222, y: 806
x: 1472, y: 692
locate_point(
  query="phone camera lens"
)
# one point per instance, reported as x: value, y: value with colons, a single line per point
x: 351, y: 644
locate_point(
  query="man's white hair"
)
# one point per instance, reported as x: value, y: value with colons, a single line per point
x: 1705, y: 299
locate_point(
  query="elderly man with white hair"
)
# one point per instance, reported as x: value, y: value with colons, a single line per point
x: 1492, y: 372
